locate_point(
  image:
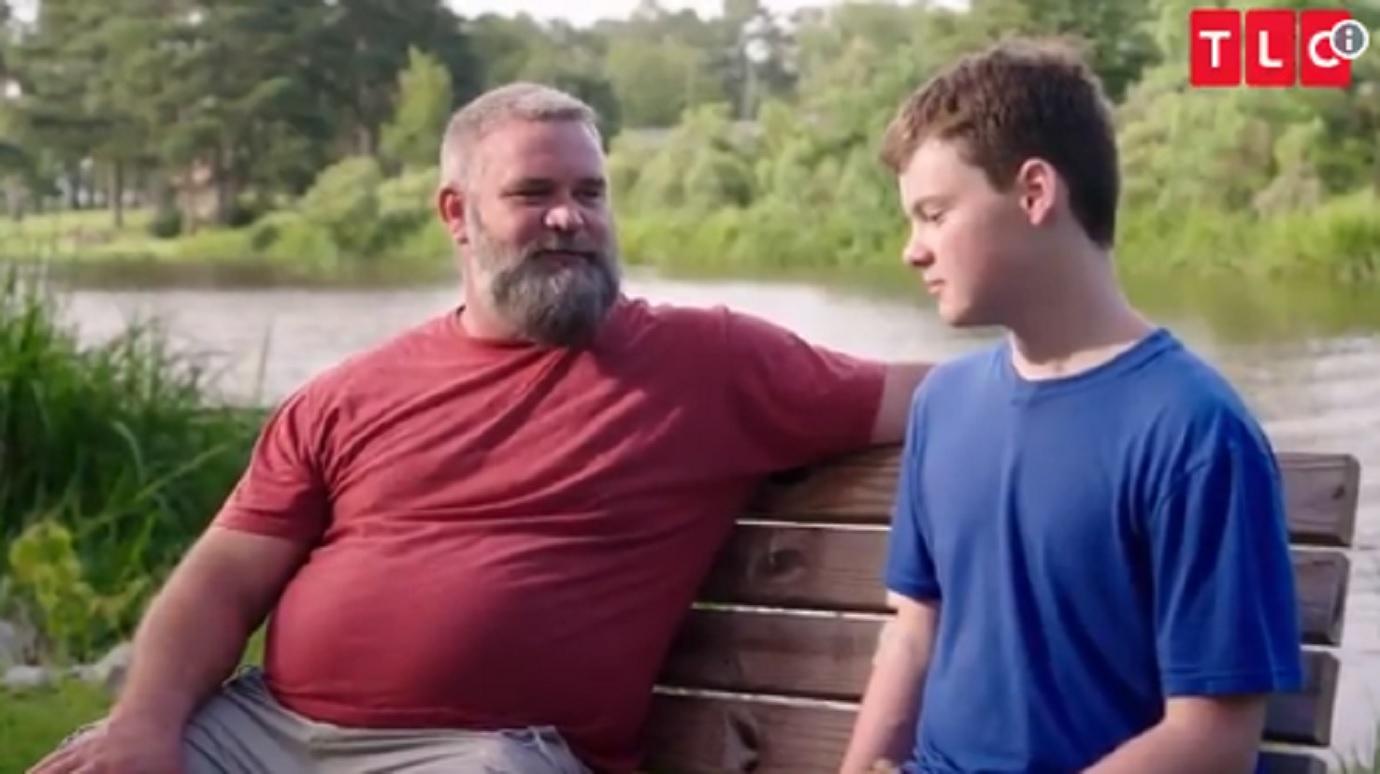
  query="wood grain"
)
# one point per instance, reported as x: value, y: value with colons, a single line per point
x: 783, y: 565
x: 830, y: 657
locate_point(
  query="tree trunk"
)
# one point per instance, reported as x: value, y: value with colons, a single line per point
x: 364, y: 141
x: 224, y: 190
x: 186, y: 196
x: 73, y: 187
x: 14, y: 197
x: 117, y: 193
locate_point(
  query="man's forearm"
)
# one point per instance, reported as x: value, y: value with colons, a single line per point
x: 894, y: 408
x: 184, y: 648
x: 886, y: 721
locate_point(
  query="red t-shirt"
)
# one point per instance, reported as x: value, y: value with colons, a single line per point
x: 506, y: 535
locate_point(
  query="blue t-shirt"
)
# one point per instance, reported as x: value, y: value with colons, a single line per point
x: 1098, y: 543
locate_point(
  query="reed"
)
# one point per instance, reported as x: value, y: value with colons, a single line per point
x: 111, y: 455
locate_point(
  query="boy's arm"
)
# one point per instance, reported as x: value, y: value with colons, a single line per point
x: 1226, y: 620
x: 885, y: 726
x: 1212, y: 735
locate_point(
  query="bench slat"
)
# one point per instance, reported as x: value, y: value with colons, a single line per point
x: 724, y: 735
x: 830, y: 657
x: 1320, y: 493
x: 782, y: 565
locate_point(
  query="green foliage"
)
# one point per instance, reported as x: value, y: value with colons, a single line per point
x: 291, y: 239
x: 76, y: 619
x: 424, y: 105
x: 216, y: 245
x: 656, y: 80
x: 412, y: 193
x: 1340, y: 238
x: 344, y: 203
x: 165, y: 224
x: 1244, y: 181
x: 1229, y: 179
x: 116, y: 444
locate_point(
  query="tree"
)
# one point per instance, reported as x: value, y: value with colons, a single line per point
x: 55, y: 66
x: 573, y: 62
x: 504, y: 45
x: 424, y: 106
x: 655, y: 81
x: 362, y: 45
x: 243, y: 108
x: 1117, y: 34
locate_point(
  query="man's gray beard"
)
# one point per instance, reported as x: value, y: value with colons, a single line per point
x: 550, y: 302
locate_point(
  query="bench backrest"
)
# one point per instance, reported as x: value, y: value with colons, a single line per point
x: 766, y: 673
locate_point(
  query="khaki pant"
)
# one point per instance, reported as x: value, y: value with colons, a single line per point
x: 242, y: 729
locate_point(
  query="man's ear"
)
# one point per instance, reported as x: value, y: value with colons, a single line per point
x: 450, y: 205
x: 1039, y: 187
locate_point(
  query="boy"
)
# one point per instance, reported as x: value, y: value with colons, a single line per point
x: 1088, y: 559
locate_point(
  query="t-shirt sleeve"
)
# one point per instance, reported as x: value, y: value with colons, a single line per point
x: 909, y: 564
x: 282, y: 490
x: 796, y: 402
x: 1227, y: 619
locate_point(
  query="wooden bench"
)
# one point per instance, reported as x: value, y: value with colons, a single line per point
x: 767, y: 671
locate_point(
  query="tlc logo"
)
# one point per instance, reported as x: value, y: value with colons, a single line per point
x: 1280, y: 47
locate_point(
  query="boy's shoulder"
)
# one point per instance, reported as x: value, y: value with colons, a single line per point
x: 960, y: 375
x: 1185, y: 391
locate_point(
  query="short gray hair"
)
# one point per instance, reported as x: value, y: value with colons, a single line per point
x: 521, y: 101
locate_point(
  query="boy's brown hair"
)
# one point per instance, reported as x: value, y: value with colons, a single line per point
x: 1017, y: 100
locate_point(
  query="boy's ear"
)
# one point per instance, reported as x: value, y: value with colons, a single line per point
x: 1039, y: 187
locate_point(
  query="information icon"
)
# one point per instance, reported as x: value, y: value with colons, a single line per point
x: 1350, y: 38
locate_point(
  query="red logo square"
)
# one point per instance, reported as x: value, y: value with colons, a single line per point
x: 1271, y: 48
x: 1214, y: 57
x: 1319, y: 65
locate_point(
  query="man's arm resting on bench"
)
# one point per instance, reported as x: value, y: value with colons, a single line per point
x: 886, y: 721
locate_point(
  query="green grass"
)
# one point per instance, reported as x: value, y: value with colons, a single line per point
x: 80, y: 234
x: 33, y: 721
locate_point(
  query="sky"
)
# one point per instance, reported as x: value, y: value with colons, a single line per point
x: 577, y: 12
x: 583, y: 13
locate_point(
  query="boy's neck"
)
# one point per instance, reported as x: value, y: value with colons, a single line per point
x: 1077, y: 319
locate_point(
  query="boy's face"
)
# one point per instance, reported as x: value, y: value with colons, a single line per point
x: 970, y: 241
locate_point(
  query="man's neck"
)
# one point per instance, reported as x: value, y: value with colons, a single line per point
x: 480, y: 321
x: 1079, y: 320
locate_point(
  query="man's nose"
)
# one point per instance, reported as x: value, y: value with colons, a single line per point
x: 564, y: 216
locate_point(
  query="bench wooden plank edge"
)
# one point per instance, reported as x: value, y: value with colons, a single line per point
x: 1320, y: 492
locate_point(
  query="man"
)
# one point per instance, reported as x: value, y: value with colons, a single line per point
x: 1088, y: 554
x: 478, y: 539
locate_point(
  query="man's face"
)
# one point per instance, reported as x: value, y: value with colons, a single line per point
x: 967, y: 238
x: 540, y: 230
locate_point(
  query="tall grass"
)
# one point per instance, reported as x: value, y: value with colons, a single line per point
x: 113, y: 445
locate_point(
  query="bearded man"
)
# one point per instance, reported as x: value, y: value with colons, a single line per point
x: 477, y: 540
